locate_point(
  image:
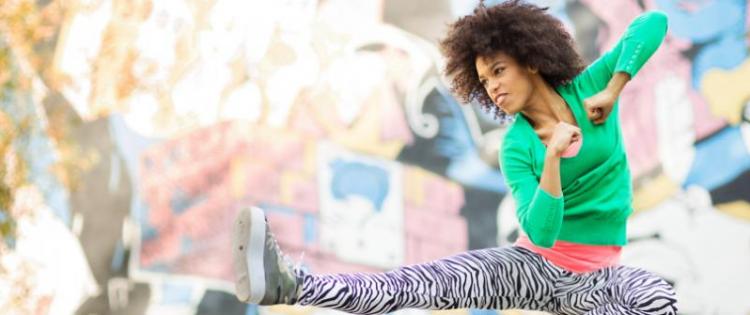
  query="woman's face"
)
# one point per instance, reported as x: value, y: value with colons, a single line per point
x: 508, y: 84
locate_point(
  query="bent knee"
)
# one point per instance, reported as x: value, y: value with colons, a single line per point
x: 659, y: 298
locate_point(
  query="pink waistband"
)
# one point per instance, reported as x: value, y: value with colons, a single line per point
x: 573, y: 256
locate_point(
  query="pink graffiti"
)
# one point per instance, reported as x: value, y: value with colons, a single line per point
x: 638, y: 99
x: 187, y: 184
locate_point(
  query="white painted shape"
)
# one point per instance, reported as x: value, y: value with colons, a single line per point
x: 244, y: 103
x: 351, y: 228
x: 675, y: 128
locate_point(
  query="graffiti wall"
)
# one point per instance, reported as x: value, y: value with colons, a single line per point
x: 133, y: 131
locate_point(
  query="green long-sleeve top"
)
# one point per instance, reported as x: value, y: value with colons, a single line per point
x: 596, y: 185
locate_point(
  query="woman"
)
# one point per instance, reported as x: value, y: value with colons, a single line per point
x: 564, y: 160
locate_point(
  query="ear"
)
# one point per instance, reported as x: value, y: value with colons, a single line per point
x: 532, y: 69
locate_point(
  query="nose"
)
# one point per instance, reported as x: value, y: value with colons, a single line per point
x: 493, y: 86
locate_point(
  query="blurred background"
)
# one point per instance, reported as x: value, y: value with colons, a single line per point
x: 131, y: 131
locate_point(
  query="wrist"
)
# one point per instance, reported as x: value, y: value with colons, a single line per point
x: 616, y: 84
x: 553, y: 154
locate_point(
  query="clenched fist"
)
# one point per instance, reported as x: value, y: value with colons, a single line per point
x: 563, y: 136
x: 599, y: 106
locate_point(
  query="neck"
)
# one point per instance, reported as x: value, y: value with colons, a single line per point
x: 546, y: 107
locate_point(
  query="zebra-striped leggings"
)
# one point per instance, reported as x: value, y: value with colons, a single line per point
x: 497, y: 278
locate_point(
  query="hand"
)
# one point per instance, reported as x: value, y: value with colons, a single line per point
x: 599, y: 106
x: 563, y: 136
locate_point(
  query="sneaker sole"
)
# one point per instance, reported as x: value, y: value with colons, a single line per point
x: 248, y: 237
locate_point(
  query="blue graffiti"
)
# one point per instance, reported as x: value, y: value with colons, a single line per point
x: 181, y: 201
x: 717, y: 28
x: 131, y: 146
x: 359, y: 179
x: 455, y: 142
x: 174, y: 293
x: 311, y: 229
x: 37, y: 149
x: 726, y: 146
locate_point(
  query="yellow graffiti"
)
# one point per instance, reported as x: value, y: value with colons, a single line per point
x: 736, y: 209
x: 364, y: 135
x: 286, y: 309
x: 307, y: 310
x: 291, y: 180
x: 455, y: 312
x: 725, y: 92
x: 413, y: 188
x: 653, y: 193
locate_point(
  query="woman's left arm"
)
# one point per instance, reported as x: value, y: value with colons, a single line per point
x: 618, y: 65
x: 599, y: 106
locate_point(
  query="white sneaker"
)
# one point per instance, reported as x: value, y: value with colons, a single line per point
x: 264, y: 275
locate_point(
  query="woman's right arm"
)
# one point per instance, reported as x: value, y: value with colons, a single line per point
x: 539, y: 202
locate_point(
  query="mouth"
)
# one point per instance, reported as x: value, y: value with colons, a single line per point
x: 500, y: 98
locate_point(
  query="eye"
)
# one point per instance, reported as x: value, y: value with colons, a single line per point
x: 483, y: 83
x: 498, y: 70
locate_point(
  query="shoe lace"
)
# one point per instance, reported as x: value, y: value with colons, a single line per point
x: 296, y: 271
x: 287, y: 262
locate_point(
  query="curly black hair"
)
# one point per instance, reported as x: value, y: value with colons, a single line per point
x: 521, y: 30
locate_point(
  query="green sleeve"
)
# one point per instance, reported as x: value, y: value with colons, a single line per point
x: 639, y: 42
x: 539, y: 213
